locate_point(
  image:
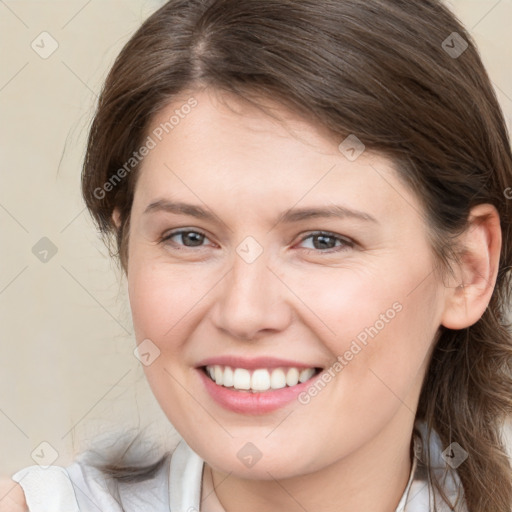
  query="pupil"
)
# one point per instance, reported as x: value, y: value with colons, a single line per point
x: 190, y: 235
x: 323, y: 242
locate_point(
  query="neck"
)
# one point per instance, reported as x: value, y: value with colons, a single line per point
x: 373, y: 478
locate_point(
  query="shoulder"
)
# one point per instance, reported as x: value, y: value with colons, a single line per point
x: 46, y: 488
x: 433, y: 464
x: 85, y: 484
x: 64, y: 489
x: 12, y: 497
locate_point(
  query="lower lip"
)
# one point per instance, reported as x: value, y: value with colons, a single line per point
x: 246, y: 402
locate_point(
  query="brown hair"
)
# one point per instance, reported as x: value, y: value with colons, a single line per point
x: 379, y: 69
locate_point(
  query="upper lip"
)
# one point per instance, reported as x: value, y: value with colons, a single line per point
x: 254, y: 363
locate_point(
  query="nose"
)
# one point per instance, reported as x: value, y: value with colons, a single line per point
x: 252, y: 301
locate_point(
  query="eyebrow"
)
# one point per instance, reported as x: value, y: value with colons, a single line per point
x: 289, y: 216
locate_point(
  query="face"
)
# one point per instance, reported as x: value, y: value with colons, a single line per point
x: 248, y: 276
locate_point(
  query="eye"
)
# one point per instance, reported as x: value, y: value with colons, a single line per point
x: 326, y: 242
x: 189, y: 238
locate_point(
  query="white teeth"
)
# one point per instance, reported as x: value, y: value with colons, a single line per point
x: 241, y: 378
x: 260, y: 379
x: 218, y: 375
x: 278, y: 379
x: 228, y: 377
x: 292, y: 377
x: 306, y: 374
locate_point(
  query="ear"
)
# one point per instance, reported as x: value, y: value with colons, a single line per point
x: 116, y: 217
x: 467, y: 299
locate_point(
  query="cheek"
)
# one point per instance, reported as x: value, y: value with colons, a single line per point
x: 378, y: 324
x: 161, y: 296
x: 164, y: 300
x: 365, y: 301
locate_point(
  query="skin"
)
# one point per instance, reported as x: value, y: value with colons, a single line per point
x: 12, y: 497
x: 295, y: 301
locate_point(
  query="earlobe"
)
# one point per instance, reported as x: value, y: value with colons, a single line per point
x: 467, y: 300
x: 116, y: 217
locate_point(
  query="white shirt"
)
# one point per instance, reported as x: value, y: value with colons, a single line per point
x: 179, y: 486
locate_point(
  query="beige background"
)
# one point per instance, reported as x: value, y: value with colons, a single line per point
x: 67, y: 369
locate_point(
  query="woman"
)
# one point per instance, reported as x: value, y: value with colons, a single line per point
x: 309, y: 202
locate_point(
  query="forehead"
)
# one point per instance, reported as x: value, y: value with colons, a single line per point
x: 212, y: 145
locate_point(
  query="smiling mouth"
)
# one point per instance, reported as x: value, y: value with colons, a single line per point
x: 258, y: 380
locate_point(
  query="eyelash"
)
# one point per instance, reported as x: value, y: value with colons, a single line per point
x: 347, y: 244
